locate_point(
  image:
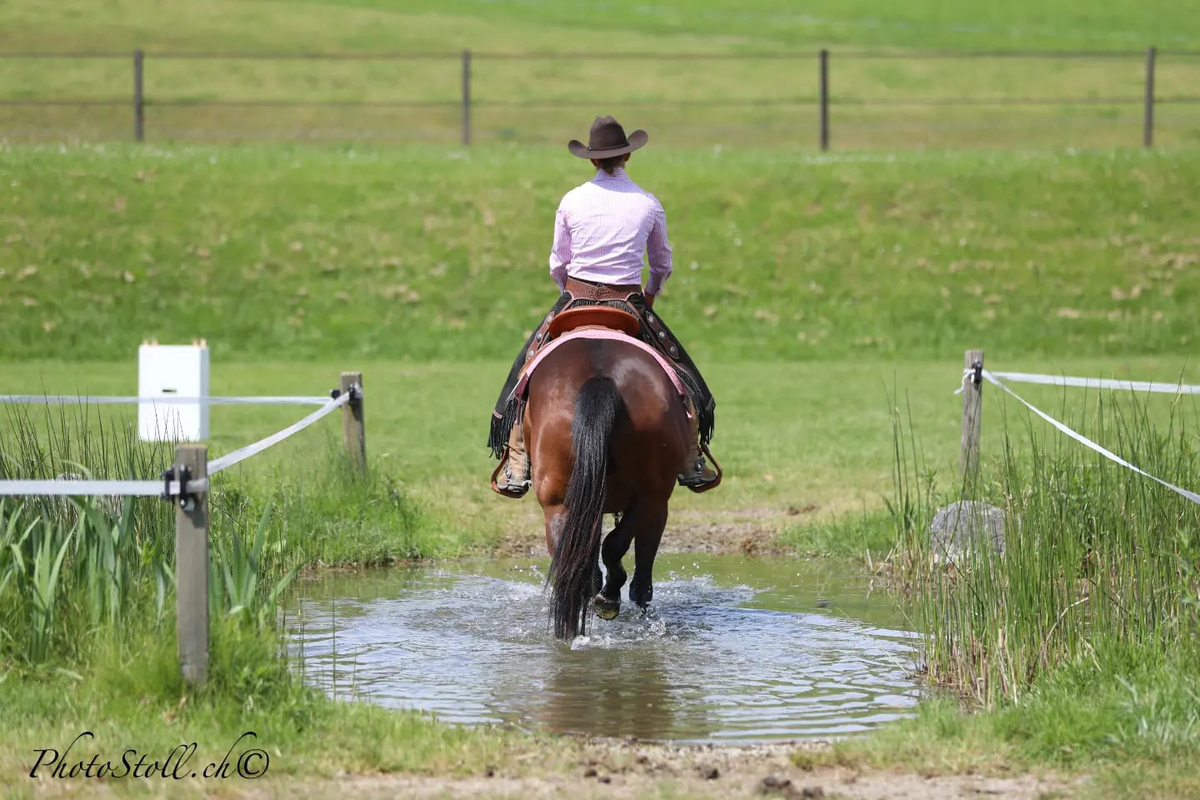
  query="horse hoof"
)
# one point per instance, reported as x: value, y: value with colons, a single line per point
x: 641, y: 597
x: 607, y: 609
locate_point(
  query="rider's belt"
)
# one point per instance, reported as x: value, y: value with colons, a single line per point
x: 586, y: 290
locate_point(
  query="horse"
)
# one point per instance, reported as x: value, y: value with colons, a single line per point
x: 606, y: 430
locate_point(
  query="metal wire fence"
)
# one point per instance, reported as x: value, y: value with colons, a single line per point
x: 827, y: 99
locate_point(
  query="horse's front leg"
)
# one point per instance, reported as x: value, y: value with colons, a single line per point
x: 649, y: 534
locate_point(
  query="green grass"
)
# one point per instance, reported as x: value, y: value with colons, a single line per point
x: 431, y: 253
x: 866, y: 536
x: 540, y: 101
x: 422, y: 24
x: 1128, y: 730
x: 1075, y: 649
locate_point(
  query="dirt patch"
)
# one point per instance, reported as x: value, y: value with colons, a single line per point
x: 601, y: 769
x: 752, y: 532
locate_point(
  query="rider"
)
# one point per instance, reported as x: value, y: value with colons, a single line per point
x: 601, y: 230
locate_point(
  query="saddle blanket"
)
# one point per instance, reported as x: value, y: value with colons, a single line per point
x: 596, y: 333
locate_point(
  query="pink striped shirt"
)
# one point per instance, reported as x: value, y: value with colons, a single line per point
x: 603, y: 227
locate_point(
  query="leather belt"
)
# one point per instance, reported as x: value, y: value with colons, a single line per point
x: 587, y: 290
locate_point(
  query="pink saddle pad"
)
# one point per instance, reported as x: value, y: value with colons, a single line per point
x: 596, y: 333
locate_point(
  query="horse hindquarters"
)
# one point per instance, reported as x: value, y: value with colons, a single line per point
x: 575, y: 560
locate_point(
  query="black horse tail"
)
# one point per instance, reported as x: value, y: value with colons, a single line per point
x: 577, y: 555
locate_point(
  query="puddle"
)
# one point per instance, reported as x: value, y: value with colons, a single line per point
x: 733, y: 650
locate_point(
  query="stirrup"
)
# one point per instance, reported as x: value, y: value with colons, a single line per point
x: 699, y: 488
x: 508, y: 490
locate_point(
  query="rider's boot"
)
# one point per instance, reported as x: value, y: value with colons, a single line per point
x: 513, y: 480
x: 697, y: 475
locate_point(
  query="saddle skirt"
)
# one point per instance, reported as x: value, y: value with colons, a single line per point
x: 595, y: 333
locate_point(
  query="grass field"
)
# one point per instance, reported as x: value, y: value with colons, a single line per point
x: 433, y: 253
x: 454, y: 24
x: 738, y: 98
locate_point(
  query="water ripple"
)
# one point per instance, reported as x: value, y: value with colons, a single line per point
x: 727, y: 653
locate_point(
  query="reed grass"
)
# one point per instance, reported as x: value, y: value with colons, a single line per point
x: 1101, y: 567
x: 1076, y: 648
x: 74, y: 571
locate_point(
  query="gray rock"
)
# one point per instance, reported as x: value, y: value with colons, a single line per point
x: 959, y: 527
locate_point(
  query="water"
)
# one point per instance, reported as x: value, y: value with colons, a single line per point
x: 732, y: 650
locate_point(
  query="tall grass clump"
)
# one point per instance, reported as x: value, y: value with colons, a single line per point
x: 1101, y: 567
x: 73, y: 569
x: 77, y: 575
x: 323, y: 511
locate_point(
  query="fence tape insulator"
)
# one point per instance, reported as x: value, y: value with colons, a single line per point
x: 66, y: 399
x: 993, y: 378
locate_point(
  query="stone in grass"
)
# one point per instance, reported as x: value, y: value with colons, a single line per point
x: 959, y: 527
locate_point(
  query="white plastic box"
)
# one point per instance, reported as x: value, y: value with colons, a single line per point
x: 173, y: 371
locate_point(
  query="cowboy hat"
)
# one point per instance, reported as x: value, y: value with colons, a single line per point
x: 607, y: 139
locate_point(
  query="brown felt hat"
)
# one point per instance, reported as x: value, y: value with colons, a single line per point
x: 607, y: 139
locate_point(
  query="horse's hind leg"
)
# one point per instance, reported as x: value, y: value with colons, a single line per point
x: 616, y: 545
x: 649, y: 534
x: 555, y: 517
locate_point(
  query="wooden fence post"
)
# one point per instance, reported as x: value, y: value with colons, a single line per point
x: 139, y: 105
x: 1148, y: 119
x: 466, y: 97
x: 824, y: 89
x: 191, y: 567
x: 354, y: 434
x: 972, y: 418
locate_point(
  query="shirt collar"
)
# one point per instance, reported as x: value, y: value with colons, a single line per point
x: 618, y: 175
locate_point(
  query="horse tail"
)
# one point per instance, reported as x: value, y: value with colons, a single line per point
x: 576, y: 557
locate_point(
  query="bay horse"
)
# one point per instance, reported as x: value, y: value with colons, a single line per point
x: 606, y: 430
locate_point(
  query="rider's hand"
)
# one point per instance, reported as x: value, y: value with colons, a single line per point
x: 649, y: 300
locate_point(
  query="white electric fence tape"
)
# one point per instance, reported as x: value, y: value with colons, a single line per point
x: 1097, y: 383
x: 166, y: 399
x: 155, y: 488
x: 229, y: 459
x: 994, y: 379
x: 80, y: 488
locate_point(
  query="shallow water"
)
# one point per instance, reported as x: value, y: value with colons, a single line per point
x: 732, y: 650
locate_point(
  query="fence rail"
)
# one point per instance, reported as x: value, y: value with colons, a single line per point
x: 736, y: 99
